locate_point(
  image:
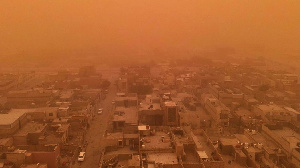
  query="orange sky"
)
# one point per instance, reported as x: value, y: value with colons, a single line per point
x: 261, y: 27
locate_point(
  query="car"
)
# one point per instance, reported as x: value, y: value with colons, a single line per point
x: 100, y: 110
x: 81, y: 156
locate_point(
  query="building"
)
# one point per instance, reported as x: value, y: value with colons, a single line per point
x: 287, y: 139
x: 28, y: 98
x: 12, y: 122
x: 171, y: 116
x: 29, y: 134
x: 272, y: 112
x: 219, y: 112
x: 150, y: 111
x: 41, y: 154
x: 124, y: 117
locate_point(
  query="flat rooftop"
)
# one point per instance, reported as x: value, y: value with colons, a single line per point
x: 125, y: 98
x: 195, y: 116
x: 43, y: 109
x: 233, y: 164
x: 245, y: 114
x: 49, y: 139
x: 12, y: 116
x: 31, y: 127
x: 124, y: 109
x: 232, y: 141
x: 170, y: 103
x: 38, y: 165
x: 155, y: 142
x: 252, y: 100
x: 287, y: 133
x: 15, y: 114
x: 243, y: 138
x: 152, y: 106
x: 129, y: 115
x: 164, y: 158
x: 115, y: 135
x: 264, y: 139
x: 184, y: 95
x: 66, y: 94
x: 270, y: 107
x: 62, y: 120
x: 4, y: 141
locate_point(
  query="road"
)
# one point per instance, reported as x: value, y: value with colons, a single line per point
x: 96, y: 131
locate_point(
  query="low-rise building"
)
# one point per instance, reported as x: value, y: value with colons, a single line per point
x: 28, y: 98
x: 12, y: 122
x: 219, y: 112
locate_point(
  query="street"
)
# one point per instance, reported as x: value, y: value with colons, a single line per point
x: 94, y: 136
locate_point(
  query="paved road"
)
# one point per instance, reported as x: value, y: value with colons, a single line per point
x: 96, y: 131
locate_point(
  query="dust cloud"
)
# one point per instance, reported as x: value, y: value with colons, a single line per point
x: 120, y: 30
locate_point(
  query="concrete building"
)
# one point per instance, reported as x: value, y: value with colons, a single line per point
x: 287, y: 139
x: 151, y: 114
x: 12, y: 122
x: 29, y: 134
x: 41, y: 154
x: 28, y: 98
x: 37, y: 165
x: 124, y: 117
x: 130, y: 100
x: 122, y: 85
x: 219, y: 112
x: 171, y: 116
x: 272, y: 112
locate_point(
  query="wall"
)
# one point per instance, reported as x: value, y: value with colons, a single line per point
x: 49, y: 158
x: 17, y: 158
x: 199, y: 165
x: 20, y: 140
x: 15, y: 126
x: 4, y: 147
x: 172, y: 166
x: 151, y: 117
x: 214, y: 164
x: 36, y: 115
x: 8, y: 131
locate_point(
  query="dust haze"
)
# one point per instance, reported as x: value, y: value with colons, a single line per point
x: 104, y: 30
x: 149, y: 84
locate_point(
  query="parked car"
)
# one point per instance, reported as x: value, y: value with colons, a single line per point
x: 81, y: 156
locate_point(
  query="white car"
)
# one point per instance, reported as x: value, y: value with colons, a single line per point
x: 81, y: 156
x: 100, y: 110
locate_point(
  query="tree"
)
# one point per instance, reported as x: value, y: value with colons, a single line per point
x: 123, y: 70
x: 264, y: 88
x: 141, y: 89
x: 105, y: 84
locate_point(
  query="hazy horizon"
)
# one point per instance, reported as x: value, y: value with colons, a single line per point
x: 164, y: 28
